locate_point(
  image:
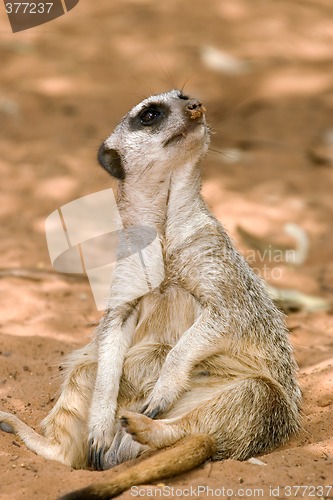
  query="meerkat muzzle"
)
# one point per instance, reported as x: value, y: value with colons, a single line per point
x: 195, y: 109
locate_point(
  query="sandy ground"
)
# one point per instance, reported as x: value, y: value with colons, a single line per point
x: 63, y: 87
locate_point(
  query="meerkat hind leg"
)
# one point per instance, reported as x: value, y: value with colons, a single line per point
x: 34, y: 441
x: 154, y: 433
x: 246, y: 417
x: 65, y: 434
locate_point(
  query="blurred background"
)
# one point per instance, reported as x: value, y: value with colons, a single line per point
x: 264, y: 71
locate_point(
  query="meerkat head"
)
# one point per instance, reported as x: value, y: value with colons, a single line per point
x: 160, y: 134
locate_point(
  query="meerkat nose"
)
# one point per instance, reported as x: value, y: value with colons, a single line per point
x: 195, y: 109
x: 193, y: 104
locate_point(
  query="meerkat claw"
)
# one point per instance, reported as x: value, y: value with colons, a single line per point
x: 95, y: 458
x: 151, y: 413
x: 123, y: 421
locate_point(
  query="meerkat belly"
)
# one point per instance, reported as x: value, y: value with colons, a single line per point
x: 163, y: 318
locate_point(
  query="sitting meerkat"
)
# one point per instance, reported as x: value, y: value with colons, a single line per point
x: 202, y: 360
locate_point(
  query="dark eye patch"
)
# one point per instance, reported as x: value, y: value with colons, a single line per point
x: 150, y: 117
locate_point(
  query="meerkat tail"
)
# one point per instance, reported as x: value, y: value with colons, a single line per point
x: 185, y: 455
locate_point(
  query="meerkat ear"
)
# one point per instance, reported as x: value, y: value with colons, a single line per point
x: 110, y: 160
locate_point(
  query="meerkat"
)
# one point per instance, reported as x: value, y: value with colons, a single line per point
x: 203, y: 360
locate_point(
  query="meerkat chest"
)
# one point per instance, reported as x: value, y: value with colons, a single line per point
x: 165, y: 314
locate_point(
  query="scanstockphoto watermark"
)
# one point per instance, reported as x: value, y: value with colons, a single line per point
x: 197, y: 491
x: 288, y: 491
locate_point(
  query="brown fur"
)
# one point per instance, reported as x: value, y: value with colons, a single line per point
x: 187, y: 454
x: 206, y: 351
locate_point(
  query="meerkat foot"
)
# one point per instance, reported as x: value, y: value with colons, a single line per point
x: 35, y: 442
x: 7, y: 422
x: 137, y: 425
x: 154, y: 433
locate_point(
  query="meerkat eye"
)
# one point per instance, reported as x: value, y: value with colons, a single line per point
x: 149, y: 116
x: 183, y: 96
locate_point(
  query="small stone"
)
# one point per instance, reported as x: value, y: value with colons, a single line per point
x: 325, y: 401
x: 256, y: 461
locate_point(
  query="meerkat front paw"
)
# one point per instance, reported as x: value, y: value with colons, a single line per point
x: 154, y: 408
x: 99, y: 442
x: 151, y: 411
x: 162, y: 398
x: 172, y: 382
